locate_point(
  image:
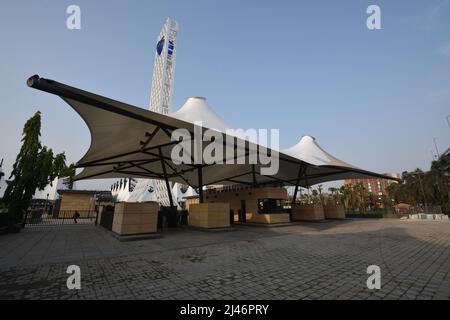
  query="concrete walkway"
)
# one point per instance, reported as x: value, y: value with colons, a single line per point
x: 307, y: 261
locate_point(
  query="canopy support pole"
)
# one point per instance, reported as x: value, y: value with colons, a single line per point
x: 200, y: 183
x: 254, y: 176
x: 301, y: 173
x: 307, y: 187
x: 163, y: 164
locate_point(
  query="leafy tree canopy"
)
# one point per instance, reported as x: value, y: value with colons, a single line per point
x: 34, y: 168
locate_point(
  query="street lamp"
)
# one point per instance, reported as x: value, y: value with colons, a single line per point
x: 45, y: 206
x: 435, y: 145
x: 448, y: 120
x: 433, y: 156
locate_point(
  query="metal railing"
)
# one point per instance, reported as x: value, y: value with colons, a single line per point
x: 63, y: 217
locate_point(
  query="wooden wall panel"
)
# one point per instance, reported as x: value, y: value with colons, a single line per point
x: 135, y: 218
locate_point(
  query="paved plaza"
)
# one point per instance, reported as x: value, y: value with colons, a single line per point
x: 325, y: 260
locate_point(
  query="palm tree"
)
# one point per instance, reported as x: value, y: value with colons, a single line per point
x: 360, y: 196
x: 320, y: 188
x: 315, y: 196
x: 334, y: 193
x: 346, y: 192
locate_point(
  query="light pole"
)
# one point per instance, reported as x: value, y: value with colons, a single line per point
x: 448, y: 120
x: 435, y: 145
x: 433, y: 157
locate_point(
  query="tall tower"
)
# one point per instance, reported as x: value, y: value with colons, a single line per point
x: 160, y: 101
x: 164, y: 68
x: 162, y: 89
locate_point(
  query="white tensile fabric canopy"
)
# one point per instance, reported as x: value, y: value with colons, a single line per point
x: 196, y: 109
x: 127, y: 141
x: 309, y: 151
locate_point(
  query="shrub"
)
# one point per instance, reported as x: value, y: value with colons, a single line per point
x: 446, y: 208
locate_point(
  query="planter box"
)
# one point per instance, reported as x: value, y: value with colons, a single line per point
x: 209, y: 215
x: 131, y: 218
x: 334, y: 211
x: 308, y: 212
x: 270, y: 218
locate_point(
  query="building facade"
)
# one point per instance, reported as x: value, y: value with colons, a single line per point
x: 375, y: 186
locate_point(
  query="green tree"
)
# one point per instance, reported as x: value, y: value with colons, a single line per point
x: 439, y: 176
x: 315, y: 196
x: 334, y: 194
x: 418, y: 187
x: 360, y: 196
x: 346, y: 192
x: 320, y: 189
x: 34, y: 168
x: 69, y: 173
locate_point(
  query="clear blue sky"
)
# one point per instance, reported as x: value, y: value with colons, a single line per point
x: 375, y: 99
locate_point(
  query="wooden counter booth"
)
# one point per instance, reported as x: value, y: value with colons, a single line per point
x: 247, y: 204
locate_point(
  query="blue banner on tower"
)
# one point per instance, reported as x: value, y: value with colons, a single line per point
x: 171, y: 47
x: 160, y: 46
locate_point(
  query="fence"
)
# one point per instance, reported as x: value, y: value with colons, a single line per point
x: 67, y: 217
x: 167, y: 218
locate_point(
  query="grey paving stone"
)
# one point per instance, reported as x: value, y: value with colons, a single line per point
x: 305, y: 261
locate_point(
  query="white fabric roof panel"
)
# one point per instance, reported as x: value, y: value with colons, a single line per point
x: 197, y: 109
x: 126, y: 141
x: 308, y: 150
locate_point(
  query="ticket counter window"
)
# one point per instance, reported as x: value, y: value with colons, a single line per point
x: 271, y: 206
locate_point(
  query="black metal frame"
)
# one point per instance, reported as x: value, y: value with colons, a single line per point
x: 163, y: 164
x: 200, y: 182
x: 301, y: 173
